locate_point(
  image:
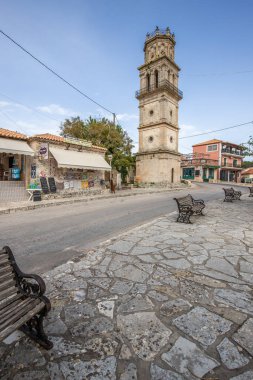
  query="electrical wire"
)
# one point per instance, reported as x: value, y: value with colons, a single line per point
x: 218, y: 74
x: 29, y: 107
x: 54, y: 72
x: 216, y: 130
x: 10, y: 119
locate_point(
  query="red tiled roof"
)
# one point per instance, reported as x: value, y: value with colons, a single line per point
x: 214, y: 141
x: 48, y: 137
x: 12, y: 134
x: 247, y: 171
x: 60, y: 139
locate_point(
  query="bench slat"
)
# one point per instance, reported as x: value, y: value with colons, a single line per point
x: 12, y: 309
x: 9, y: 300
x: 19, y: 314
x: 4, y: 259
x: 9, y: 281
x: 6, y: 276
x: 13, y: 302
x: 17, y: 322
x: 2, y: 252
x: 8, y: 292
x: 6, y: 268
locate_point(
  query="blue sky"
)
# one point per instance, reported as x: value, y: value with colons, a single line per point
x: 98, y: 45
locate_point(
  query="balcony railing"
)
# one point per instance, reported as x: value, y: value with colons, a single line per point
x: 200, y: 162
x: 230, y: 151
x: 162, y: 85
x: 229, y: 165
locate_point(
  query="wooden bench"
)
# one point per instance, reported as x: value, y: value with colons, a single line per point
x: 22, y: 302
x: 187, y: 206
x: 251, y: 191
x: 231, y: 195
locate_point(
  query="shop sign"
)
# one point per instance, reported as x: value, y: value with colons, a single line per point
x: 43, y: 150
x: 33, y: 171
x: 84, y: 185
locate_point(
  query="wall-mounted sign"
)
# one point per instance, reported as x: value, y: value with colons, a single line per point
x: 33, y: 171
x: 43, y: 150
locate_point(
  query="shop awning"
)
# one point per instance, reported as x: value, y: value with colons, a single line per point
x: 79, y: 160
x: 15, y: 147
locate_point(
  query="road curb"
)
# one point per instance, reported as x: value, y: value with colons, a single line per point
x: 78, y: 200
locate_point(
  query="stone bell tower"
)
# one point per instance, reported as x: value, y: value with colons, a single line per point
x: 158, y: 159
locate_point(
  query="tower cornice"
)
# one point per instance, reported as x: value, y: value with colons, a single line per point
x: 157, y: 60
x: 162, y: 124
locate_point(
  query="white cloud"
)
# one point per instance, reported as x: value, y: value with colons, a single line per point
x: 37, y: 127
x: 4, y: 104
x: 127, y: 117
x: 55, y: 109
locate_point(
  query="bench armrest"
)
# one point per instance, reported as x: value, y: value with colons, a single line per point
x: 198, y: 201
x: 35, y: 287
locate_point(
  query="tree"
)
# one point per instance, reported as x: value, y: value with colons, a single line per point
x: 247, y: 164
x: 104, y: 133
x: 248, y: 147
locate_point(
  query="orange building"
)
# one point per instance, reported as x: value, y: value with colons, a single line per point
x: 214, y: 160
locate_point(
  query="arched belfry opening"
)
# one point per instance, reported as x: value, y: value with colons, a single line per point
x: 148, y: 82
x: 156, y: 78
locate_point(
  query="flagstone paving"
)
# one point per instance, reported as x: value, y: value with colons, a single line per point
x: 164, y: 301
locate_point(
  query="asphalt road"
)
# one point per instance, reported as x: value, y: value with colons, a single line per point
x: 44, y: 238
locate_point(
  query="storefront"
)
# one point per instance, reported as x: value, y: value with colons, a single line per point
x: 15, y: 156
x: 74, y: 164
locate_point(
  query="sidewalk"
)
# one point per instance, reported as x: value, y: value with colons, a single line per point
x: 9, y: 207
x: 164, y: 301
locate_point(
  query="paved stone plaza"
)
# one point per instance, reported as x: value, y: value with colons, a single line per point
x: 165, y: 301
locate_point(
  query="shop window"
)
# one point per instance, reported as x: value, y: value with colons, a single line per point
x: 188, y: 173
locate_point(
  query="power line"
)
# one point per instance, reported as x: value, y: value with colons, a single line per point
x: 54, y: 72
x: 12, y: 121
x: 29, y: 107
x: 216, y: 130
x: 219, y: 74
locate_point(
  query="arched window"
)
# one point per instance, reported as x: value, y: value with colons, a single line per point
x: 172, y: 175
x: 156, y: 79
x: 148, y: 82
x: 173, y: 79
x: 169, y: 75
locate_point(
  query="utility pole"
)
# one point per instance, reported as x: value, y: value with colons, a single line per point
x: 114, y: 118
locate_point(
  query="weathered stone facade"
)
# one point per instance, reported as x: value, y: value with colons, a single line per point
x: 158, y: 159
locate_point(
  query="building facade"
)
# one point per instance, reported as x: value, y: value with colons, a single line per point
x: 158, y: 159
x: 214, y: 160
x: 74, y: 164
x: 199, y: 167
